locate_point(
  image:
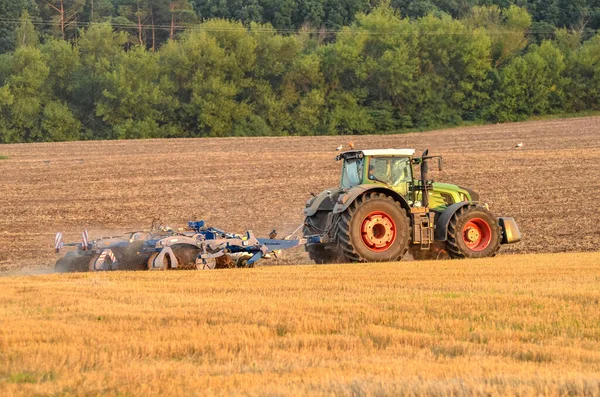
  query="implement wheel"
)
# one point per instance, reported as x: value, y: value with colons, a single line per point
x: 375, y: 228
x: 165, y: 265
x: 473, y: 232
x: 72, y: 264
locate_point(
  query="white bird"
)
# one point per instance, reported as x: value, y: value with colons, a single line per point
x: 518, y: 145
x: 338, y: 148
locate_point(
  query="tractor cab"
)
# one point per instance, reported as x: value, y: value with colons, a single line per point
x: 394, y: 169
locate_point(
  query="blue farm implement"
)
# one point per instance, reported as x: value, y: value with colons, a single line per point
x: 200, y: 247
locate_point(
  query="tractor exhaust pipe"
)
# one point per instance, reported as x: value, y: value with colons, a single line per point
x: 425, y: 178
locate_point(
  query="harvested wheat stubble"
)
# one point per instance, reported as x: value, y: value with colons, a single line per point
x: 522, y: 325
x: 263, y: 183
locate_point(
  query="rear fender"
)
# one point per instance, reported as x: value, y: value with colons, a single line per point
x: 346, y: 199
x: 324, y: 201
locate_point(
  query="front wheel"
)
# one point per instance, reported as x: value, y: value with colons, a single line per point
x: 473, y: 232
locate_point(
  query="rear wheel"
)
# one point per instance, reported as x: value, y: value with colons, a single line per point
x: 374, y: 228
x: 317, y: 224
x: 473, y: 232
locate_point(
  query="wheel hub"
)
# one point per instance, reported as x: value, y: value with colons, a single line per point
x: 378, y: 231
x: 472, y: 234
x: 477, y: 234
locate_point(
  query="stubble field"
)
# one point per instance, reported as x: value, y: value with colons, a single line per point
x: 515, y: 324
x: 549, y: 186
x: 512, y: 325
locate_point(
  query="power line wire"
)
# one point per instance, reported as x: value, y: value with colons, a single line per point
x: 201, y: 27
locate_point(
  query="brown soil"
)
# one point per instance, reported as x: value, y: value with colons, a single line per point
x: 549, y: 185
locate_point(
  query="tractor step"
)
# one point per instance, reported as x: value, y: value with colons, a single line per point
x: 423, y: 227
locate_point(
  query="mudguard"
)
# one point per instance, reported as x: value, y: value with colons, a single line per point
x: 157, y: 263
x: 441, y: 226
x: 345, y: 199
x: 322, y: 202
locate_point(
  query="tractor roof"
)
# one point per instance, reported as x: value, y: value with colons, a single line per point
x: 388, y: 152
x: 353, y: 154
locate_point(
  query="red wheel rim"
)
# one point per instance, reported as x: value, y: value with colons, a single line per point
x: 378, y: 231
x: 477, y: 234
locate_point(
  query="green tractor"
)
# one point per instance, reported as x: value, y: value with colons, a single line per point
x: 381, y: 211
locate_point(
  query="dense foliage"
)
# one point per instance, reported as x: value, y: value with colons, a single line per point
x: 121, y: 77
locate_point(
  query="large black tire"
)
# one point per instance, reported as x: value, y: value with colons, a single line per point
x: 72, y: 264
x: 317, y: 224
x: 374, y: 228
x: 473, y: 232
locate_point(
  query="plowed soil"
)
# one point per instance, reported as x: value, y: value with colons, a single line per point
x: 550, y: 185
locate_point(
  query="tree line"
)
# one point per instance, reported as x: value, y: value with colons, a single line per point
x: 153, y: 22
x: 383, y: 72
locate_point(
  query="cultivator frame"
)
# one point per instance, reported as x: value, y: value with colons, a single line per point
x: 200, y: 247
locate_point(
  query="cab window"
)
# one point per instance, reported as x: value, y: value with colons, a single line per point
x: 352, y: 173
x: 390, y: 170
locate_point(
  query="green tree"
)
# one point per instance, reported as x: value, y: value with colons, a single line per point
x: 59, y: 124
x: 10, y: 12
x: 26, y: 87
x: 506, y: 27
x: 208, y: 74
x: 63, y: 59
x: 25, y: 33
x: 528, y: 85
x: 132, y: 98
x: 6, y: 103
x: 99, y: 48
x: 454, y: 66
x: 583, y: 69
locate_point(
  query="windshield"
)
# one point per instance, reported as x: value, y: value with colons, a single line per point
x: 391, y: 170
x: 352, y: 173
